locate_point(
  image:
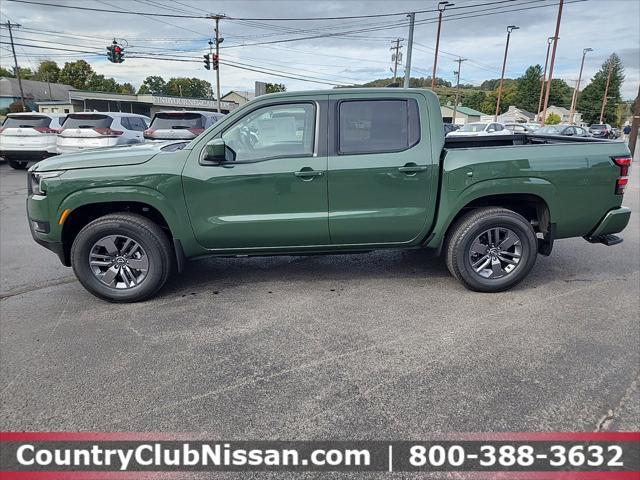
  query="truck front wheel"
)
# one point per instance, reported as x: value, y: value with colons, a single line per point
x: 491, y: 249
x: 121, y: 257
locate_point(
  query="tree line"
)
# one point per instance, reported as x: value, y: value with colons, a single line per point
x: 523, y: 92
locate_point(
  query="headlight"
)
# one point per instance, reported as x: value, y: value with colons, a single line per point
x: 35, y: 180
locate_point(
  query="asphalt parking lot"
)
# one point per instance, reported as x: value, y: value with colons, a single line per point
x: 383, y: 345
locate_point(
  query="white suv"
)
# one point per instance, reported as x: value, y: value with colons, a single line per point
x: 27, y: 137
x: 101, y: 129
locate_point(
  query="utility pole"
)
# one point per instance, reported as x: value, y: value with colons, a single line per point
x: 606, y: 91
x: 510, y: 29
x: 216, y: 59
x: 396, y: 58
x: 15, y: 61
x: 574, y: 99
x: 553, y: 59
x: 550, y: 40
x: 455, y: 105
x: 407, y: 70
x: 441, y: 8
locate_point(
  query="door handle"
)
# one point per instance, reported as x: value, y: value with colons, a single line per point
x: 308, y: 174
x: 412, y: 168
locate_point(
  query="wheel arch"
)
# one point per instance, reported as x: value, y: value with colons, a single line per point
x: 530, y: 197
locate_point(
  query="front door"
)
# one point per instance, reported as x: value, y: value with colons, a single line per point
x: 274, y: 193
x: 380, y: 169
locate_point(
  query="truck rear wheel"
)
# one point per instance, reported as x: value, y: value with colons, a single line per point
x: 491, y: 249
x: 121, y: 257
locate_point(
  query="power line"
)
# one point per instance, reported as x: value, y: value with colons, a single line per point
x: 123, y: 12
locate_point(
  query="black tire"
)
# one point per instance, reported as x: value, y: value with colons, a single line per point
x: 469, y: 228
x: 147, y: 234
x: 18, y: 164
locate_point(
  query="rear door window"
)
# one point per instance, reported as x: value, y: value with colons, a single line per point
x: 378, y: 126
x: 136, y: 123
x: 171, y: 120
x: 82, y: 120
x: 31, y: 121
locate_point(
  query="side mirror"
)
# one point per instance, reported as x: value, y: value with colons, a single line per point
x: 216, y: 152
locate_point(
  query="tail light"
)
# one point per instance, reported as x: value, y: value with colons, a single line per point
x: 196, y: 131
x: 108, y: 132
x: 45, y: 130
x: 148, y: 133
x: 623, y: 163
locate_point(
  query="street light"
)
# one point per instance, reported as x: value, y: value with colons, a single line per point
x: 574, y: 98
x: 441, y: 8
x: 550, y: 40
x: 510, y: 29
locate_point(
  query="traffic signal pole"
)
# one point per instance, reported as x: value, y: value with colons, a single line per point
x: 217, y: 60
x: 15, y: 61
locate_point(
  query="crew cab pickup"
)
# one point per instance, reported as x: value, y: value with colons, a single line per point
x: 348, y: 170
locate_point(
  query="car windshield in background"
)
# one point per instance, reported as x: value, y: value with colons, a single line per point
x: 549, y: 130
x: 473, y: 127
x: 598, y: 127
x: 32, y: 121
x: 177, y: 121
x: 87, y: 121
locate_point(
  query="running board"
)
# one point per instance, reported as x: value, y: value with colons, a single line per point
x: 607, y: 240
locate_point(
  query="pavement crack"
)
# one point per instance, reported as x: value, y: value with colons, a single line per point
x: 38, y: 286
x: 605, y: 422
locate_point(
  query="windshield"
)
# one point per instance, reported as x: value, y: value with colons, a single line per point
x: 87, y: 120
x: 177, y: 121
x: 473, y: 127
x: 549, y: 130
x: 23, y: 121
x: 598, y: 127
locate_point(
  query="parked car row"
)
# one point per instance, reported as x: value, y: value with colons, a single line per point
x: 28, y: 137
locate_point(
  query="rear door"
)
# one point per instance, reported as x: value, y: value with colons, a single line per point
x: 274, y: 194
x: 24, y: 131
x: 380, y: 168
x: 88, y: 130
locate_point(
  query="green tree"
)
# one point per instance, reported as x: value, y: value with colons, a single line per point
x: 553, y: 119
x: 16, y: 107
x: 48, y: 70
x: 508, y: 97
x: 528, y: 89
x: 77, y: 74
x: 189, y: 87
x: 153, y: 85
x: 560, y: 94
x: 127, y: 89
x: 276, y: 87
x: 590, y: 100
x: 475, y: 100
x: 5, y: 73
x: 98, y: 83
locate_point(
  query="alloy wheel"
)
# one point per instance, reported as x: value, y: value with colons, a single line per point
x: 495, y: 253
x: 118, y: 261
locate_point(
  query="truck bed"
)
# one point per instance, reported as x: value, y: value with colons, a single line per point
x: 515, y: 139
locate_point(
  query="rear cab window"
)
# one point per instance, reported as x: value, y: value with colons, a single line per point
x: 178, y: 120
x: 24, y: 121
x: 83, y: 120
x: 377, y: 126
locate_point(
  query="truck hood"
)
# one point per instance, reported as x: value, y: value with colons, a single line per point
x: 102, y: 157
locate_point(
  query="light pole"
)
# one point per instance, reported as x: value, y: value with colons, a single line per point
x: 606, y: 91
x: 441, y: 8
x: 544, y: 77
x: 574, y: 99
x: 510, y: 29
x: 556, y: 36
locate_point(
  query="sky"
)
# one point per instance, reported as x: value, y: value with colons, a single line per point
x: 359, y: 53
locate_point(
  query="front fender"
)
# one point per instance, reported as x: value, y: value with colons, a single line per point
x: 453, y: 201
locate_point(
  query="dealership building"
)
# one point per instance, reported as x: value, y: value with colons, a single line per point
x: 83, y: 101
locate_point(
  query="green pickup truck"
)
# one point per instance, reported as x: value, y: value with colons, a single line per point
x: 346, y: 170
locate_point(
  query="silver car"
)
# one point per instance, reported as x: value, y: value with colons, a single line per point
x: 180, y: 124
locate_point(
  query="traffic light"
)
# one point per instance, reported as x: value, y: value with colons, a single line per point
x: 207, y: 62
x: 215, y: 62
x: 115, y: 53
x: 118, y: 53
x: 111, y: 54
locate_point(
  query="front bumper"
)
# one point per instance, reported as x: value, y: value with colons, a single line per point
x: 55, y: 247
x: 614, y: 221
